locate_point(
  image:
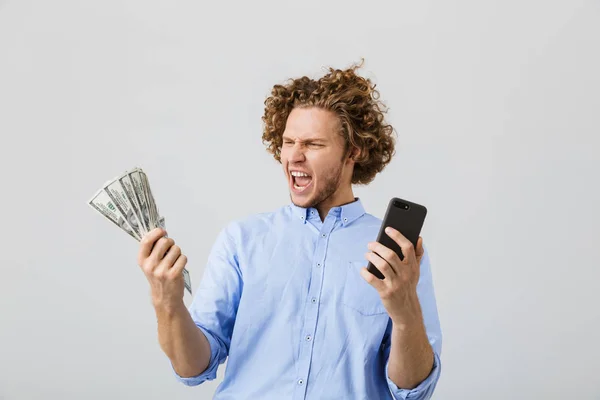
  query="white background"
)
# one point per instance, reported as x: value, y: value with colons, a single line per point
x: 496, y: 108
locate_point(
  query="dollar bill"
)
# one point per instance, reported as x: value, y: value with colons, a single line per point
x: 186, y: 280
x: 134, y: 203
x: 118, y: 195
x: 154, y: 206
x: 138, y: 186
x: 153, y: 212
x: 102, y: 203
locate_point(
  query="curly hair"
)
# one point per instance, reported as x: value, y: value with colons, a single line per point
x: 353, y: 99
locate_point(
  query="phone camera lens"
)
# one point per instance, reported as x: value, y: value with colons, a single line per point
x: 400, y: 204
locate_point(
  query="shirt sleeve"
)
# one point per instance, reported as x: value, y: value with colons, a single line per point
x: 215, y: 304
x: 425, y: 292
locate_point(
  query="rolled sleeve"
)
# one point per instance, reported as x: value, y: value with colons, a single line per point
x: 427, y: 299
x: 424, y: 390
x: 215, y: 304
x: 217, y: 352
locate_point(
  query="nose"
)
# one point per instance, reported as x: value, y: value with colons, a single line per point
x: 296, y: 154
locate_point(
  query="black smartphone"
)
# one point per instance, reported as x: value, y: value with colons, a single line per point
x: 407, y: 218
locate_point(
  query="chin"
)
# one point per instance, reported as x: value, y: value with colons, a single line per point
x: 302, y: 201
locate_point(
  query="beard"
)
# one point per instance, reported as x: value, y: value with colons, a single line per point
x: 330, y: 182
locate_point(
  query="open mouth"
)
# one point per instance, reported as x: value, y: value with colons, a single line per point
x: 300, y: 180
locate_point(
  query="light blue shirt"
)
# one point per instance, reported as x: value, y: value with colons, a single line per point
x: 283, y: 301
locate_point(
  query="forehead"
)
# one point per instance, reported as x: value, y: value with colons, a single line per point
x: 312, y: 123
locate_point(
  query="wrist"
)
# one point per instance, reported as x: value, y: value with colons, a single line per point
x: 410, y: 317
x: 409, y: 324
x: 168, y: 308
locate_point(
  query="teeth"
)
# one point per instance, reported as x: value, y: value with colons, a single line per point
x: 297, y: 173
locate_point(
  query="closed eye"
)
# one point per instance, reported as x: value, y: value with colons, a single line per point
x: 289, y: 142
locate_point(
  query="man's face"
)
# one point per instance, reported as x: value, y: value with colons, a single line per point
x: 312, y: 156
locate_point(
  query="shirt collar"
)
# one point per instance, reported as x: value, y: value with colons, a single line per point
x: 346, y: 213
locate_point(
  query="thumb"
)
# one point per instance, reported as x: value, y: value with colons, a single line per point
x: 419, y: 251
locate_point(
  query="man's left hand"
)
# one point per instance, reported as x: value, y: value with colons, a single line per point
x: 398, y: 291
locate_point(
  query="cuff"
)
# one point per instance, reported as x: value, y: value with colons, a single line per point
x: 424, y: 390
x: 210, y: 372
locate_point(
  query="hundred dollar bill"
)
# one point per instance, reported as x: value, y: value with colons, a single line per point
x: 138, y: 186
x: 186, y: 280
x: 102, y: 203
x: 153, y: 212
x: 134, y: 203
x: 154, y: 206
x: 118, y: 195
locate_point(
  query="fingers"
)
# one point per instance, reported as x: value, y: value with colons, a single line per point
x: 388, y: 255
x: 147, y: 243
x: 371, y: 279
x: 382, y: 264
x: 172, y: 255
x: 406, y: 246
x: 161, y: 247
x: 180, y: 263
x: 419, y: 251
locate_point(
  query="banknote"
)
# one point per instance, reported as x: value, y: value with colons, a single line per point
x: 118, y: 195
x: 102, y: 203
x: 153, y: 211
x: 128, y: 202
x: 186, y: 280
x: 131, y: 194
x: 140, y: 194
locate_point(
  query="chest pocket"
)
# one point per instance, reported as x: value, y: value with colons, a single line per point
x: 358, y: 295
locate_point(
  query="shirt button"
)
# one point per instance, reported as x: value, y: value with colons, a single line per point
x: 318, y: 265
x: 313, y: 300
x: 300, y: 382
x: 308, y: 338
x: 345, y: 219
x: 323, y: 235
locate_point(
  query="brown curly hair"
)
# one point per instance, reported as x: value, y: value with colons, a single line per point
x: 356, y: 103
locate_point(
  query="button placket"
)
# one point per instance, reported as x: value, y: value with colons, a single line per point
x: 310, y: 318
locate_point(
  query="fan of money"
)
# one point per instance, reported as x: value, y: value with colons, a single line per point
x: 127, y: 201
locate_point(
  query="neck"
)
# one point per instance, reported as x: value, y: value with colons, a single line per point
x: 339, y: 198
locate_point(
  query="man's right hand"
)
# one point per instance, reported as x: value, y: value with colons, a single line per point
x: 162, y: 262
x: 179, y: 336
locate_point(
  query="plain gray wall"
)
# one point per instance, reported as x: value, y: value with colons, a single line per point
x: 496, y: 106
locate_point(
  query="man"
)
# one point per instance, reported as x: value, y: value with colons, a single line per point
x: 286, y: 297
